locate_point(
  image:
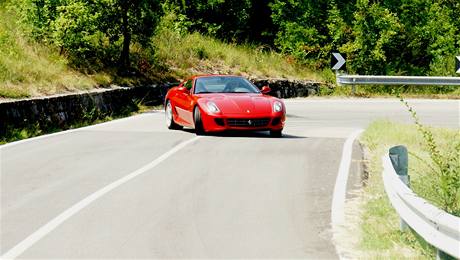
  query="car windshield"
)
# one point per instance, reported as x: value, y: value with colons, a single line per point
x: 224, y: 84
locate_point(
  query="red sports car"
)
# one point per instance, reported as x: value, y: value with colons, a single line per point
x: 213, y: 103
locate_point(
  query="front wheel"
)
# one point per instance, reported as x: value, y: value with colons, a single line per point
x: 169, y: 117
x: 276, y: 133
x: 199, y: 129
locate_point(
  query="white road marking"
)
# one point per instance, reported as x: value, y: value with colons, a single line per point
x: 338, y: 199
x: 57, y: 221
x: 340, y: 188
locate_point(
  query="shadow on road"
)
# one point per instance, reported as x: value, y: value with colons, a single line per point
x: 248, y: 134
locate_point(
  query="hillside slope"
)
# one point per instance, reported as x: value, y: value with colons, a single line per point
x: 29, y: 68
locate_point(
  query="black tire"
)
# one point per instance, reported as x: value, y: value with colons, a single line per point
x: 199, y: 130
x: 169, y: 117
x: 276, y: 133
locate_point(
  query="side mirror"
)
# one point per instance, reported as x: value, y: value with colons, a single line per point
x: 266, y: 89
x: 183, y: 89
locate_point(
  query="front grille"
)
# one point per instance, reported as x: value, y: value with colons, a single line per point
x: 248, y: 122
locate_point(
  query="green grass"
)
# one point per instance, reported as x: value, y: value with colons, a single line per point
x: 378, y: 223
x: 435, y: 92
x: 189, y: 54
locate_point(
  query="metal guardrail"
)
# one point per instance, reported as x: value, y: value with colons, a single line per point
x: 437, y: 227
x: 397, y: 80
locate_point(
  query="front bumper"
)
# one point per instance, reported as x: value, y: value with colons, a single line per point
x: 258, y: 122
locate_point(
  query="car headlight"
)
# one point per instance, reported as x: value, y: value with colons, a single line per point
x: 212, y: 107
x: 277, y: 106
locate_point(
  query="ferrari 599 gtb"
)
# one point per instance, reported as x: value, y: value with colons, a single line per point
x: 214, y: 103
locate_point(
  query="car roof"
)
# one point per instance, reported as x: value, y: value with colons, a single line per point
x: 215, y: 75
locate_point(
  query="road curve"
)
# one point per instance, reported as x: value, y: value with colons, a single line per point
x: 222, y: 196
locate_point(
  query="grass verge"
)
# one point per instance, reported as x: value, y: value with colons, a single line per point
x: 378, y: 223
x: 432, y: 92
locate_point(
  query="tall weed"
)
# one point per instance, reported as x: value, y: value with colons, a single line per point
x: 444, y: 165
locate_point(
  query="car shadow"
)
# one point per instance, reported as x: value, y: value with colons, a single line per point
x: 248, y: 134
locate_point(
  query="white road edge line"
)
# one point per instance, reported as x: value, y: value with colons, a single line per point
x: 57, y: 221
x: 340, y: 188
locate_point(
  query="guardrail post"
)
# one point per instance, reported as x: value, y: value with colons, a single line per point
x: 400, y: 161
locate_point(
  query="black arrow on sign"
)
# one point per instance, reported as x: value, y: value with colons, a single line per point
x: 337, y: 61
x: 457, y: 64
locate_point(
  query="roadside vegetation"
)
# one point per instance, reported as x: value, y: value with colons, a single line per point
x: 184, y: 54
x: 435, y: 92
x: 56, y: 46
x: 434, y: 166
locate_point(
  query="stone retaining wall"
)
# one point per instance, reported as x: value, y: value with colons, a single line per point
x: 283, y: 88
x: 64, y: 110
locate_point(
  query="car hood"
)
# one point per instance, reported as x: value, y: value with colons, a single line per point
x: 241, y: 104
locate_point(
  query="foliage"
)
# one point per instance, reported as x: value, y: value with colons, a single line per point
x: 301, y: 31
x: 375, y: 29
x: 444, y: 165
x: 379, y: 37
x: 230, y: 20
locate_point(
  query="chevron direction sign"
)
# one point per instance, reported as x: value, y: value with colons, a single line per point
x: 337, y: 61
x: 457, y: 64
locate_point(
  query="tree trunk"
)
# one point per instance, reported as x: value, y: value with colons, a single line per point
x: 124, y: 57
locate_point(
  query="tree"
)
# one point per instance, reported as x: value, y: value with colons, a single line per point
x: 225, y: 19
x: 90, y: 31
x: 301, y: 27
x: 375, y: 30
x: 136, y: 18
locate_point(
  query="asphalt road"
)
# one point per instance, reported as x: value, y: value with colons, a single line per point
x: 223, y: 196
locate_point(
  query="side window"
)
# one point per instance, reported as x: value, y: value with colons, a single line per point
x: 188, y: 84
